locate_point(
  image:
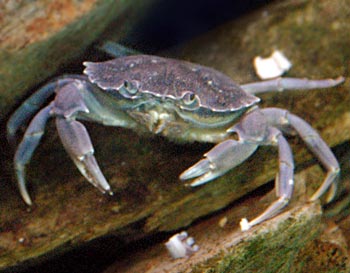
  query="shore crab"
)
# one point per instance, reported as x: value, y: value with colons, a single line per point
x: 178, y: 100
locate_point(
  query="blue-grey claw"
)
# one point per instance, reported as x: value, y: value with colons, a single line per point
x: 20, y: 174
x: 201, y: 169
x: 219, y: 160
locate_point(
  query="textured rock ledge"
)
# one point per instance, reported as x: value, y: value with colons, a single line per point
x: 40, y: 37
x: 295, y: 241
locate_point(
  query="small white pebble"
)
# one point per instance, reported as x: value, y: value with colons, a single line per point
x: 195, y: 248
x: 21, y: 240
x: 223, y: 222
x: 176, y: 248
x: 180, y: 245
x: 245, y: 224
x: 274, y: 66
x: 190, y: 241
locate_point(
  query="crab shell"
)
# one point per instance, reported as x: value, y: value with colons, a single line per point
x: 170, y: 79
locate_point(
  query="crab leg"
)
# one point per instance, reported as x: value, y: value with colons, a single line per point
x: 284, y: 180
x: 281, y: 84
x: 219, y: 160
x: 77, y: 143
x: 322, y: 152
x: 34, y: 103
x: 117, y: 50
x: 281, y: 118
x: 27, y: 146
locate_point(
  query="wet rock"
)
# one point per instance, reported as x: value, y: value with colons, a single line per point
x: 295, y: 241
x: 39, y: 37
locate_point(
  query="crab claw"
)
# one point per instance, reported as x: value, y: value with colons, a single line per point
x: 219, y: 160
x: 77, y: 143
x: 203, y: 170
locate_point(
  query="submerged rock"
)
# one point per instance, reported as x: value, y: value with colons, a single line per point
x: 40, y: 37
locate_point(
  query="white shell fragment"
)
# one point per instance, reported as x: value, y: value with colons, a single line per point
x: 273, y: 66
x: 244, y: 224
x: 180, y: 245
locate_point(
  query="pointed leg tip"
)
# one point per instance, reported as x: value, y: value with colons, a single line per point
x: 105, y: 189
x: 245, y: 225
x: 27, y: 199
x: 330, y: 197
x: 314, y: 197
x: 23, y: 189
x: 339, y: 80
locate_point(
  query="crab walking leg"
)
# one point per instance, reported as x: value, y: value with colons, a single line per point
x: 314, y: 142
x: 117, y: 50
x: 77, y: 143
x: 32, y: 105
x: 282, y: 84
x: 31, y: 139
x: 322, y: 152
x: 219, y: 160
x: 284, y: 180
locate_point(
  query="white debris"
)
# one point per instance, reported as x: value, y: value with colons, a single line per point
x: 273, y: 66
x: 180, y: 245
x: 245, y: 224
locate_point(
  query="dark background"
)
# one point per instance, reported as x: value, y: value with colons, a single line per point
x: 174, y: 21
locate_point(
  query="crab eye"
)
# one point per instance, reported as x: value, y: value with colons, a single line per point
x: 190, y: 100
x: 129, y: 88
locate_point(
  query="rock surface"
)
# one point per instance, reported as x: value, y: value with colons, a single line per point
x: 143, y: 170
x: 295, y: 241
x: 40, y: 37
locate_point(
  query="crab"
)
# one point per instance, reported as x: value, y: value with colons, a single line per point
x: 181, y: 101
